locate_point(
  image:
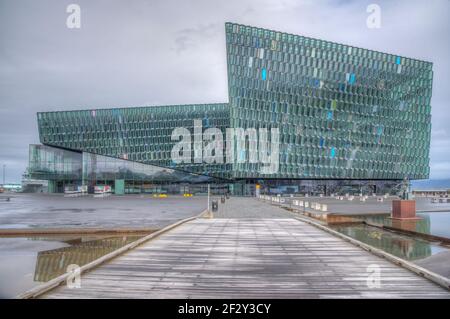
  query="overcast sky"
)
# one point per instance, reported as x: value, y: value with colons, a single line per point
x: 136, y: 52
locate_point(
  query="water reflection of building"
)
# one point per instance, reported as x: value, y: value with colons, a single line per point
x: 422, y: 225
x: 400, y: 246
x: 53, y: 263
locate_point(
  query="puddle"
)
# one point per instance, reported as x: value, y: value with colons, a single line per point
x: 30, y: 261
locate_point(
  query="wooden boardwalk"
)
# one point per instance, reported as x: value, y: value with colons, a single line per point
x: 248, y: 258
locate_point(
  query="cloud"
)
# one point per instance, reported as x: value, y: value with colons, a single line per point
x: 190, y: 38
x: 168, y: 52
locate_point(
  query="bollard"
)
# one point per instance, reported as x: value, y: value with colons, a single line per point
x: 215, y: 205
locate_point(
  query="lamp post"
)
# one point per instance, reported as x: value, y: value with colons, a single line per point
x: 4, y: 167
x: 209, y: 191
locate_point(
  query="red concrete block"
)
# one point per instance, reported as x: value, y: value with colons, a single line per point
x: 404, y: 209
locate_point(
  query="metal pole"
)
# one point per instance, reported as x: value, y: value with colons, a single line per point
x: 208, y: 196
x: 4, y: 166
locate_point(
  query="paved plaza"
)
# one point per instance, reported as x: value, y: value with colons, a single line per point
x: 131, y: 211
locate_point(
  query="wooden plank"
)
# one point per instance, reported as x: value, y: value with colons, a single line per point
x: 248, y: 258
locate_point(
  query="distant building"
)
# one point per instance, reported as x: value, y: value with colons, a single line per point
x: 34, y: 185
x: 432, y: 192
x: 11, y: 187
x: 349, y: 119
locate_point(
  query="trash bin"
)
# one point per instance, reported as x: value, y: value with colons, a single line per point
x: 214, y: 205
x: 222, y: 199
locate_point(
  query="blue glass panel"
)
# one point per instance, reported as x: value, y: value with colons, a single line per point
x: 330, y: 115
x: 316, y: 83
x: 321, y: 142
x: 264, y: 74
x: 333, y: 152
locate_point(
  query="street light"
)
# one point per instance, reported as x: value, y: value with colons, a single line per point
x: 4, y: 166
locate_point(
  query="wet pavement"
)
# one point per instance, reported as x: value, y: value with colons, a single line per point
x: 131, y: 211
x: 439, y: 263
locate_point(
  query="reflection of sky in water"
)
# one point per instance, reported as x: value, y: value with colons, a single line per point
x: 18, y: 260
x: 401, y: 246
x: 27, y: 262
x: 439, y: 223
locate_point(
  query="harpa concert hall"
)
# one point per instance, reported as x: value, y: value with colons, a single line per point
x: 347, y: 119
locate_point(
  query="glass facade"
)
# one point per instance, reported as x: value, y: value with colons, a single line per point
x: 48, y: 163
x: 67, y: 169
x: 140, y: 134
x: 137, y: 177
x: 342, y: 111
